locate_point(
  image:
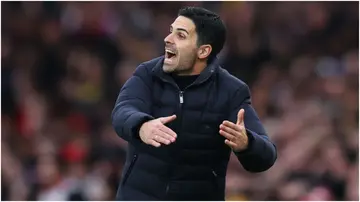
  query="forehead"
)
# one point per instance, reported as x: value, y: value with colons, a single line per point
x: 183, y: 23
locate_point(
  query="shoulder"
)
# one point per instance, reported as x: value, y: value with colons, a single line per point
x: 237, y: 90
x: 153, y: 62
x: 230, y: 82
x: 145, y: 68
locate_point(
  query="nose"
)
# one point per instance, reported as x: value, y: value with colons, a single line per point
x: 169, y: 39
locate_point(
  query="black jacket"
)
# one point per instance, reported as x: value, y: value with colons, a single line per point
x: 194, y: 167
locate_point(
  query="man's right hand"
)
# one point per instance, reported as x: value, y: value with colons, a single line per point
x: 155, y: 132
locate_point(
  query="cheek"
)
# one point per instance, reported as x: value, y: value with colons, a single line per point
x: 187, y: 52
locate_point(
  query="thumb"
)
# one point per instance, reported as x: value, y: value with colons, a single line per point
x: 167, y: 119
x: 240, y: 117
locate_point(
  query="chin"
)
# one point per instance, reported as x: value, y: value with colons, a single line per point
x: 169, y: 68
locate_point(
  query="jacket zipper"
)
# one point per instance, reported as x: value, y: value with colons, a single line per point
x: 181, y: 102
x: 130, y: 168
x: 181, y: 97
x: 215, y: 179
x: 214, y: 173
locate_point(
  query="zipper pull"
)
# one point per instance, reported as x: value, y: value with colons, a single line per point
x: 214, y: 173
x: 181, y: 96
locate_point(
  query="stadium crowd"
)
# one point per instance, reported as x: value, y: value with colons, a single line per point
x: 63, y: 64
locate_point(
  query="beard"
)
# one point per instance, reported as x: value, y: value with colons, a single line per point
x: 184, y: 65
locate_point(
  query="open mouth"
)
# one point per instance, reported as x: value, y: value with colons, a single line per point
x: 170, y: 54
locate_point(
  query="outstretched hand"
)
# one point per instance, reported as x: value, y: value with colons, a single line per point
x: 235, y: 133
x: 155, y: 132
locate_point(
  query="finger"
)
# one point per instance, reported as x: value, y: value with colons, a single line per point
x: 167, y: 119
x: 230, y: 143
x: 227, y: 135
x: 168, y: 131
x: 228, y: 129
x: 154, y: 143
x: 166, y: 136
x: 159, y: 138
x: 240, y: 117
x: 231, y: 125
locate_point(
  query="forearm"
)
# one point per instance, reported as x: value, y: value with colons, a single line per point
x: 132, y: 107
x: 260, y: 153
x: 127, y: 121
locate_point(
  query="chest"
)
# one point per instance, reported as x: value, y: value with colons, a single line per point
x: 199, y: 109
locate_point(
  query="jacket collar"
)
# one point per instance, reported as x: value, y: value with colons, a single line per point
x: 204, y: 75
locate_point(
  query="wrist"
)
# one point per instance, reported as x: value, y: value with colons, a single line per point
x: 140, y: 127
x: 247, y: 143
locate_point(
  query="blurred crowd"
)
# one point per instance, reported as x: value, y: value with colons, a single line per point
x: 63, y: 64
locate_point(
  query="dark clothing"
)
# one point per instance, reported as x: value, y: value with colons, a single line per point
x: 183, y: 81
x: 194, y: 166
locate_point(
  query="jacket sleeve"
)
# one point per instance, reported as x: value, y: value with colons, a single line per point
x: 261, y: 153
x: 133, y: 105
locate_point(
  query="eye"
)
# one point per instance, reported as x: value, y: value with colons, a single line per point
x: 181, y: 35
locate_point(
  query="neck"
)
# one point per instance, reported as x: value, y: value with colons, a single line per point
x: 198, y: 67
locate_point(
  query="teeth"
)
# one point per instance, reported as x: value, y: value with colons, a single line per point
x: 169, y: 51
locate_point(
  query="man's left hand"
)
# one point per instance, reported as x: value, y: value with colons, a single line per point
x: 235, y: 134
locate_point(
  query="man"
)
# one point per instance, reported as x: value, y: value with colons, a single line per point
x: 182, y: 115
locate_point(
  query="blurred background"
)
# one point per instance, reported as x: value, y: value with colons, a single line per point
x: 63, y: 64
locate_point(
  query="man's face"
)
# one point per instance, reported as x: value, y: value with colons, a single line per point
x: 180, y: 46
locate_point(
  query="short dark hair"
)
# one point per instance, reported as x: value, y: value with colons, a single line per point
x: 209, y: 28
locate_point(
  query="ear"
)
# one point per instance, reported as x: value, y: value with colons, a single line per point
x: 204, y: 51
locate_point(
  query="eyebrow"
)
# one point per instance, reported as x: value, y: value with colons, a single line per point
x: 180, y: 29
